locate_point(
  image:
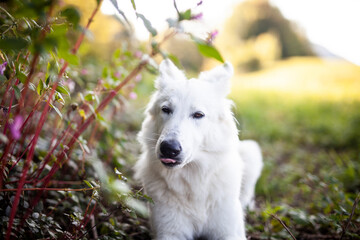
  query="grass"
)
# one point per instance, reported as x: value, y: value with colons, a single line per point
x: 311, y: 147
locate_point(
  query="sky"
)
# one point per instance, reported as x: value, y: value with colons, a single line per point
x: 332, y: 24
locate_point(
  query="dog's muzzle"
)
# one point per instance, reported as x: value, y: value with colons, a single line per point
x: 169, y: 152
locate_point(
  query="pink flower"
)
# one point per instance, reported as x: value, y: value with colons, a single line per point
x: 197, y: 16
x: 70, y: 84
x: 15, y: 127
x: 138, y: 78
x: 133, y: 95
x: 117, y: 74
x: 84, y: 71
x: 138, y: 54
x: 2, y: 68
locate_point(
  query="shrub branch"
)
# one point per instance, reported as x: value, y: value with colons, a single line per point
x: 284, y: 225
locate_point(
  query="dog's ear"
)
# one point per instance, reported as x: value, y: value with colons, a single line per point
x: 168, y: 73
x: 220, y: 77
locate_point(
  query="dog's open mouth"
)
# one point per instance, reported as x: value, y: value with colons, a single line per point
x: 169, y: 162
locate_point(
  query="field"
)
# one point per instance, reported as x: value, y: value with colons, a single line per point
x: 311, y: 145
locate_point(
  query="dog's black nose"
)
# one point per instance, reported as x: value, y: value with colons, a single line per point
x: 170, y: 148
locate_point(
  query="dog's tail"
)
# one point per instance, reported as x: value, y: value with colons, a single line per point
x: 253, y: 163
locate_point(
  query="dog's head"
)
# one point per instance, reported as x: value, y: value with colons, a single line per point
x: 187, y: 119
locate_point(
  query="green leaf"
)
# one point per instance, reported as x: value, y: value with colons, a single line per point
x: 89, y: 97
x: 7, y: 13
x: 17, y: 92
x: 16, y: 44
x: 209, y: 51
x: 56, y: 110
x: 21, y: 76
x: 185, y: 15
x: 88, y: 183
x: 172, y: 22
x: 47, y: 81
x: 114, y: 2
x: 62, y: 89
x: 3, y: 78
x: 147, y: 24
x: 67, y: 56
x: 59, y: 98
x: 72, y: 15
x: 174, y: 59
x: 133, y: 4
x: 100, y: 118
x: 32, y: 86
x: 40, y: 87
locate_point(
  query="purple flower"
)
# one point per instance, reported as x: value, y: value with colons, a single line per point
x: 15, y: 127
x: 197, y: 16
x: 199, y: 3
x: 212, y: 36
x: 2, y: 68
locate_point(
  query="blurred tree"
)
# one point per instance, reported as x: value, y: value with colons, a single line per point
x: 258, y: 33
x: 106, y: 32
x: 187, y: 53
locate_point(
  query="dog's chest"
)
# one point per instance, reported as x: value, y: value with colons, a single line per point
x: 195, y: 195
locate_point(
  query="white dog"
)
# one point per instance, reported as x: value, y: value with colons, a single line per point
x: 193, y: 164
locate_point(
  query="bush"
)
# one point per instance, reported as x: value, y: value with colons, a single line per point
x: 64, y: 157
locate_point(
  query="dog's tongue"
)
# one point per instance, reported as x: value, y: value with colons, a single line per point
x: 167, y: 160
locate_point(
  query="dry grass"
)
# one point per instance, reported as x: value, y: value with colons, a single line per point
x: 305, y: 76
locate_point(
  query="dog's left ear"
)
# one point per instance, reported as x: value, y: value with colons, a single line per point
x: 220, y: 77
x: 168, y: 73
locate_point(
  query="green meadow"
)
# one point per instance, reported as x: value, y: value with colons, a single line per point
x: 311, y: 147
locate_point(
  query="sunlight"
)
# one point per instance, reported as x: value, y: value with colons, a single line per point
x: 330, y: 24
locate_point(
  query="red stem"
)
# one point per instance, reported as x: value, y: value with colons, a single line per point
x: 6, y: 90
x: 8, y: 146
x: 80, y: 39
x: 61, y: 72
x: 47, y: 157
x: 91, y: 213
x: 48, y: 189
x: 18, y: 159
x: 31, y: 113
x: 27, y: 164
x: 27, y: 81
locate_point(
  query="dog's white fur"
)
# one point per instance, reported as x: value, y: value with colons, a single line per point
x: 204, y: 195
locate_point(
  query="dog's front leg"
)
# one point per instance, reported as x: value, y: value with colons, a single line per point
x: 226, y: 222
x: 169, y: 223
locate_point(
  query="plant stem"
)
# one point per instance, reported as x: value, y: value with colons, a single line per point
x: 351, y: 215
x: 284, y: 225
x: 80, y: 39
x: 27, y: 163
x: 49, y: 189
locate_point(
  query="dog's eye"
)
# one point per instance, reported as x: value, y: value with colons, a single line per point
x: 166, y: 110
x: 198, y: 115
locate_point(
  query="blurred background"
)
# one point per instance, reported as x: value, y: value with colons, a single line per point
x: 296, y: 90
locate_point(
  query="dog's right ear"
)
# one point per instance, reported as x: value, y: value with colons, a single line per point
x: 168, y: 73
x: 220, y: 76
